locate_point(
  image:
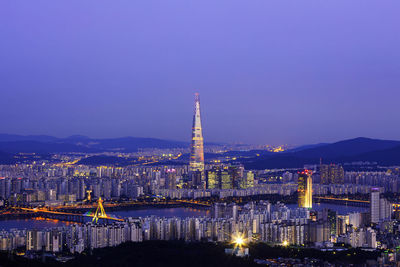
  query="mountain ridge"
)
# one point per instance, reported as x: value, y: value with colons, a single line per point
x: 385, y: 152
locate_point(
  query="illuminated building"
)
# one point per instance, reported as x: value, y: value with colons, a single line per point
x: 231, y: 177
x: 247, y: 180
x: 212, y: 179
x: 331, y: 174
x: 226, y: 180
x: 197, y: 146
x: 374, y: 206
x: 333, y: 222
x: 304, y: 189
x: 380, y: 208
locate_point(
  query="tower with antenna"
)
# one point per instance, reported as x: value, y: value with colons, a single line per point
x: 197, y: 147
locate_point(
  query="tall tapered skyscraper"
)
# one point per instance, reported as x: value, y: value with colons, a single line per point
x: 197, y: 146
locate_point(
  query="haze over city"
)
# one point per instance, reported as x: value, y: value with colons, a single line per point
x: 267, y: 71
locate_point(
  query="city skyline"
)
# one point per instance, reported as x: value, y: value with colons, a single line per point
x: 276, y: 75
x: 291, y: 158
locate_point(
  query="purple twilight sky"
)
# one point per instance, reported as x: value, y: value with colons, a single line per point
x: 268, y: 71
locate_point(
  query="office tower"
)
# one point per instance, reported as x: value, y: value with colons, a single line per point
x: 374, y: 206
x: 212, y: 179
x: 197, y: 146
x: 301, y: 188
x: 331, y: 174
x: 304, y: 189
x: 247, y: 180
x: 222, y: 178
x: 225, y: 180
x: 308, y: 203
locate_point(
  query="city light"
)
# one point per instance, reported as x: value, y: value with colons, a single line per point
x: 285, y: 243
x: 238, y: 240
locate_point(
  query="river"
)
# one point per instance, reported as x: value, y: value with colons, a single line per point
x: 182, y: 212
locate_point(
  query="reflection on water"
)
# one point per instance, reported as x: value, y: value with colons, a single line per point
x: 37, y: 223
x: 40, y: 223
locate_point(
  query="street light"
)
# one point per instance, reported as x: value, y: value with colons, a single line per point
x: 238, y: 240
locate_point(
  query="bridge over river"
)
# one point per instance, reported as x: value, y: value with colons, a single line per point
x: 73, y: 217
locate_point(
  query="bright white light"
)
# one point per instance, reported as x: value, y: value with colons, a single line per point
x: 238, y: 240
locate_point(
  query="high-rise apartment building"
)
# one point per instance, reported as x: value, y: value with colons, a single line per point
x: 170, y: 179
x: 375, y: 204
x: 380, y: 208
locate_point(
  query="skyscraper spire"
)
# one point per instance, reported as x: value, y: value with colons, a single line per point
x: 197, y: 146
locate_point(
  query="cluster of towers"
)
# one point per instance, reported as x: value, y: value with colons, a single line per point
x: 197, y: 162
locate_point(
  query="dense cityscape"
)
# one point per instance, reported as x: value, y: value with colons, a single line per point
x: 321, y: 206
x: 199, y: 133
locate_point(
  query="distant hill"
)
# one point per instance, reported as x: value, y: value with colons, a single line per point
x: 248, y: 153
x: 43, y: 147
x: 278, y: 162
x: 300, y: 148
x: 350, y: 147
x: 78, y: 143
x: 384, y: 152
x: 387, y: 157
